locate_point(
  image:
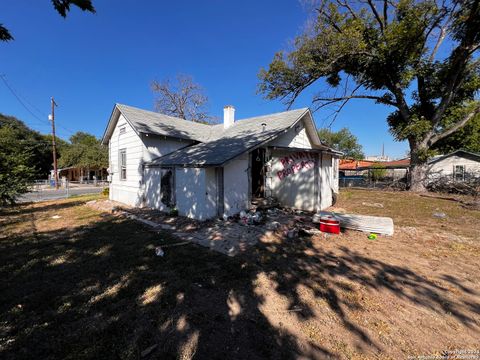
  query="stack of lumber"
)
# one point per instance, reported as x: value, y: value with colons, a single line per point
x: 372, y: 224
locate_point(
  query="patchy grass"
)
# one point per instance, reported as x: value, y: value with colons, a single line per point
x: 409, y: 209
x: 88, y: 285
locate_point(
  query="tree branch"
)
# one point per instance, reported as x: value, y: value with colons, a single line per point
x: 377, y: 15
x: 454, y: 128
x: 343, y: 98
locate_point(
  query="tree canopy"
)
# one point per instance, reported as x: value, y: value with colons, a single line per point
x: 25, y: 155
x: 389, y: 52
x: 344, y: 141
x: 61, y: 6
x: 183, y: 98
x: 85, y: 151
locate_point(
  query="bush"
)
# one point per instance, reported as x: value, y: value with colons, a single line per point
x: 106, y: 191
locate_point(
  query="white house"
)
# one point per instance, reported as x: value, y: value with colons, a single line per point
x: 459, y: 165
x: 206, y: 171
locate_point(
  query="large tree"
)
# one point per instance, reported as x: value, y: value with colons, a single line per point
x: 344, y: 141
x: 61, y: 6
x: 390, y: 52
x: 25, y: 155
x: 182, y: 98
x: 84, y: 151
x: 467, y: 138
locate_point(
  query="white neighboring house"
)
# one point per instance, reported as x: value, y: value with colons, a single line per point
x: 459, y: 165
x: 205, y: 171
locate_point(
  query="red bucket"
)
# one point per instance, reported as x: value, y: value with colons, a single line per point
x: 329, y: 224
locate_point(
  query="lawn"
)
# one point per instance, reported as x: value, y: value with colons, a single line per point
x: 77, y: 283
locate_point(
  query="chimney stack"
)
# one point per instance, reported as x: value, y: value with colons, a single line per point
x: 228, y: 116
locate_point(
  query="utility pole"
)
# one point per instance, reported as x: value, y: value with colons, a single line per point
x: 54, y: 145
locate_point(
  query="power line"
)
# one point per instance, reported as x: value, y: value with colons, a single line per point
x: 14, y: 93
x: 22, y: 102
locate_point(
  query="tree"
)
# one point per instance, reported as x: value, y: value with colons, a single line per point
x: 84, y: 151
x: 344, y: 141
x: 61, y: 6
x: 185, y: 99
x: 21, y: 151
x: 467, y: 138
x: 390, y: 52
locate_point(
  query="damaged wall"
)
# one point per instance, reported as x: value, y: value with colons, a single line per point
x: 236, y: 185
x: 292, y: 179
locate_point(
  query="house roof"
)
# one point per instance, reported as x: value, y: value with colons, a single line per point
x: 350, y: 164
x: 213, y: 145
x: 242, y: 136
x: 463, y: 153
x: 149, y: 122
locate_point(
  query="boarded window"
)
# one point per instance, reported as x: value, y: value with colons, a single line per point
x: 123, y: 164
x: 166, y: 188
x: 459, y: 173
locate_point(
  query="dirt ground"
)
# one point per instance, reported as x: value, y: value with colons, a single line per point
x: 79, y: 283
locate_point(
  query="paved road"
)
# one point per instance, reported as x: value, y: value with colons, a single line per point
x: 57, y: 194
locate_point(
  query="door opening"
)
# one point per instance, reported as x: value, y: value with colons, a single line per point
x: 258, y: 173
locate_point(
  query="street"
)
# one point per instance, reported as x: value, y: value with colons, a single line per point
x: 44, y: 195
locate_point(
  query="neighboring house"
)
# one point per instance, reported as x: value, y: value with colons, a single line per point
x: 394, y: 169
x: 81, y: 175
x: 459, y: 165
x: 205, y: 171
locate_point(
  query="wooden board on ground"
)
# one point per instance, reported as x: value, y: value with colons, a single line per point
x: 373, y: 224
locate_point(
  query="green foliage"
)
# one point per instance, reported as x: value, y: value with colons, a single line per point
x: 467, y: 138
x: 19, y: 136
x: 61, y: 6
x: 17, y: 151
x: 388, y: 52
x: 106, y: 191
x: 344, y: 141
x: 378, y: 172
x: 84, y: 151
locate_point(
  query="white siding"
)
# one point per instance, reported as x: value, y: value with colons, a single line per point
x: 126, y: 191
x: 236, y: 185
x: 326, y: 180
x: 293, y: 179
x: 155, y: 146
x: 296, y: 137
x: 445, y: 167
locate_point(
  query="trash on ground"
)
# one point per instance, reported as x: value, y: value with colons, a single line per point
x: 159, y: 251
x: 148, y: 350
x: 292, y: 233
x: 56, y: 217
x: 440, y: 215
x: 310, y: 231
x: 373, y: 224
x: 329, y: 224
x: 377, y: 205
x: 372, y: 236
x: 274, y: 225
x: 250, y: 218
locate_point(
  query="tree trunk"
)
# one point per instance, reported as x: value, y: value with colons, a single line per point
x: 418, y: 171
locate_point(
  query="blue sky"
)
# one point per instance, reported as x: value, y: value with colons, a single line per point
x: 88, y: 62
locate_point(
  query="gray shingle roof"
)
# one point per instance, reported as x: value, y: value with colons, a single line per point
x: 224, y: 145
x: 154, y: 123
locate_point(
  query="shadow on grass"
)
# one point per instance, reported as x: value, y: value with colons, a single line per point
x: 99, y: 292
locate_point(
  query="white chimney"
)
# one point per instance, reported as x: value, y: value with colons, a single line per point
x: 228, y: 116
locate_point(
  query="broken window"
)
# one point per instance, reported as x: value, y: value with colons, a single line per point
x: 166, y: 188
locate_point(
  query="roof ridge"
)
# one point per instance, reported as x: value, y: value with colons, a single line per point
x: 161, y: 114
